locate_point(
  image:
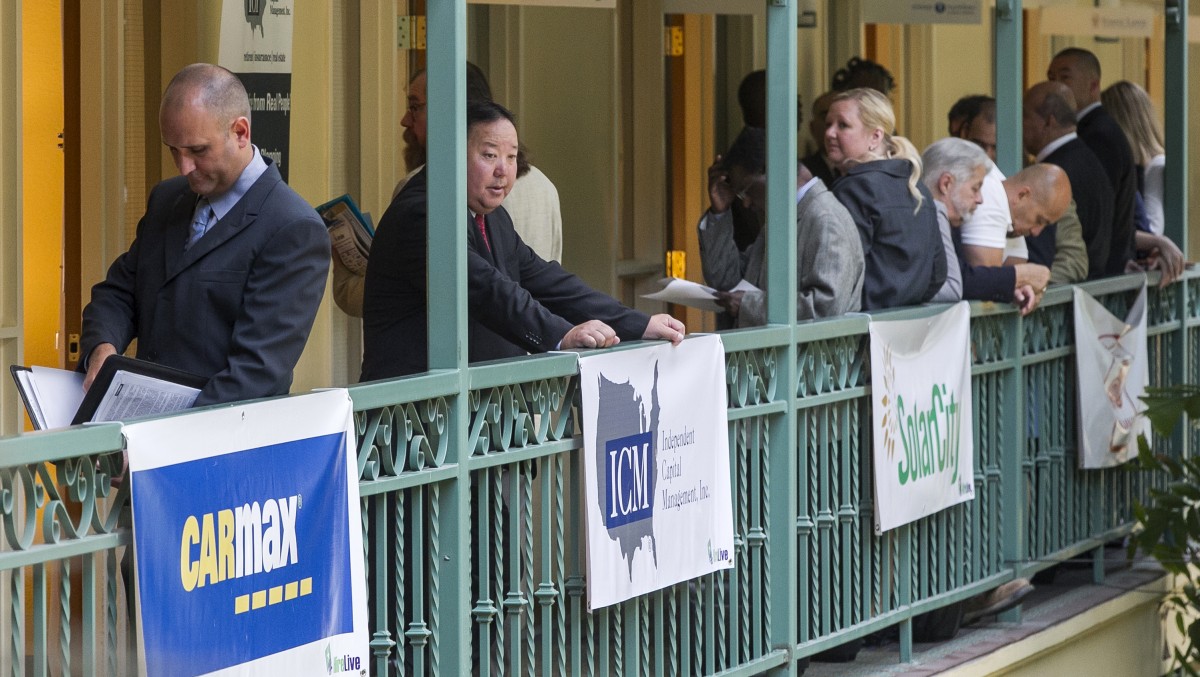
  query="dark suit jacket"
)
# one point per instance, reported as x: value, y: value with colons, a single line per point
x: 983, y: 283
x: 1103, y: 136
x: 1094, y: 203
x: 236, y: 307
x: 517, y: 302
x: 905, y: 259
x: 819, y: 168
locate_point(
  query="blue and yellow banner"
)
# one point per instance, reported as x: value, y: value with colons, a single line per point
x: 247, y: 540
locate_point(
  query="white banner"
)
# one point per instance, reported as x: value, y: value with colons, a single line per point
x: 247, y: 529
x: 1111, y: 362
x: 921, y: 410
x: 656, y: 467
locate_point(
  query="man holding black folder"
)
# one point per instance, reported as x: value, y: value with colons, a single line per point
x: 229, y: 264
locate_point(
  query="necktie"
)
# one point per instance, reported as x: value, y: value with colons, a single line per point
x: 204, y: 219
x: 483, y: 230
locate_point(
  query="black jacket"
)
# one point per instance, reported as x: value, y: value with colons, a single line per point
x: 517, y: 302
x: 905, y: 258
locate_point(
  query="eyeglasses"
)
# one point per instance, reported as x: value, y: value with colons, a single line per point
x: 744, y: 194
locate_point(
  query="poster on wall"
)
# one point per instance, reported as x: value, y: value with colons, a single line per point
x: 1112, y: 22
x: 656, y: 467
x: 922, y: 11
x: 1111, y: 363
x: 247, y: 534
x: 256, y: 44
x: 923, y: 449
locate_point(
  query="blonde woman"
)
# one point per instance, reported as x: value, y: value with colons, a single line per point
x: 880, y: 187
x: 1131, y: 107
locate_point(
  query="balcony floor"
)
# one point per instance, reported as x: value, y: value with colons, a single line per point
x: 1071, y: 594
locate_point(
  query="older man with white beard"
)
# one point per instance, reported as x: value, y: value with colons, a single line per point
x: 954, y: 171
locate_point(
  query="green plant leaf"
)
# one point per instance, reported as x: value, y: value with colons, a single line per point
x: 1168, y: 558
x: 1185, y: 489
x: 1146, y: 458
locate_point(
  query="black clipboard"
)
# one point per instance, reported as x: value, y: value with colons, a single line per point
x: 30, y: 407
x: 115, y: 363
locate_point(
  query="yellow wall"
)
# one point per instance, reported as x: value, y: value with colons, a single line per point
x: 42, y: 111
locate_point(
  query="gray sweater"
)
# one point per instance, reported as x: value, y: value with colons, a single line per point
x: 829, y: 260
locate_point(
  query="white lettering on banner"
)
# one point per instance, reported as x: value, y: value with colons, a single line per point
x: 637, y: 462
x: 248, y: 539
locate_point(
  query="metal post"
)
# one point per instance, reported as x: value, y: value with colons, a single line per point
x: 781, y: 309
x: 1175, y: 197
x: 447, y: 95
x: 1175, y: 100
x: 1008, y: 61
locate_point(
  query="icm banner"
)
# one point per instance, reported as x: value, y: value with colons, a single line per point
x: 1111, y: 362
x: 256, y: 43
x: 656, y: 467
x: 248, y: 540
x: 921, y: 409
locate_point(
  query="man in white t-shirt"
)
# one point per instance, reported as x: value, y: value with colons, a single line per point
x: 987, y: 235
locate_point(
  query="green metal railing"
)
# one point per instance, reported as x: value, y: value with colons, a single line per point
x: 521, y: 575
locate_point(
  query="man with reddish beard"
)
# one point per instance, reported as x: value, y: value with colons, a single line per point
x: 518, y: 302
x: 532, y: 203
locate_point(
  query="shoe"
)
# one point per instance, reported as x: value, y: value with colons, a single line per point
x: 997, y: 601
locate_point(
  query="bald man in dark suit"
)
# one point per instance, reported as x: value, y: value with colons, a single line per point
x: 228, y: 268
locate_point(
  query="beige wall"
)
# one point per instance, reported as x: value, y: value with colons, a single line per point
x: 311, y: 172
x: 567, y: 99
x: 10, y: 208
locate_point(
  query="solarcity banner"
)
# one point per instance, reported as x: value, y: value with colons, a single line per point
x: 1111, y: 363
x: 921, y: 410
x: 256, y: 43
x: 248, y: 540
x: 656, y: 467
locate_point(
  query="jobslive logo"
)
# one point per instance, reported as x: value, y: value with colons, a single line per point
x: 346, y: 663
x: 717, y: 554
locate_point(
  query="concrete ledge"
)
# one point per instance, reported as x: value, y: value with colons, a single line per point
x: 1120, y: 636
x: 1071, y: 626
